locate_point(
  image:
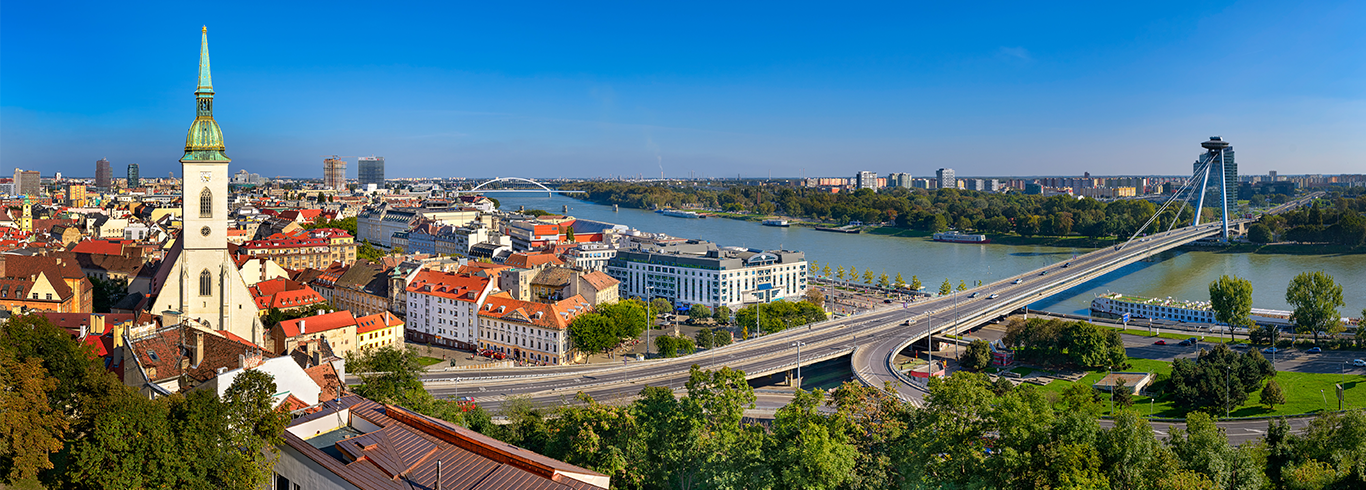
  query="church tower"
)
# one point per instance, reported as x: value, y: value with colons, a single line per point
x: 204, y: 283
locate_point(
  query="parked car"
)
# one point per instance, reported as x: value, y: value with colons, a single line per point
x: 1313, y: 350
x: 1160, y: 342
x: 1271, y: 350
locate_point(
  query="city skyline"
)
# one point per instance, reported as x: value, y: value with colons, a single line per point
x: 822, y: 97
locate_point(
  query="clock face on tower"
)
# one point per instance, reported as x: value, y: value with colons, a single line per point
x: 205, y: 176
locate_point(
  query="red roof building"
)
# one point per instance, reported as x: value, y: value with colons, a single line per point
x: 284, y: 294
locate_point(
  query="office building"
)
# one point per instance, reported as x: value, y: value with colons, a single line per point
x: 866, y: 180
x: 104, y: 176
x: 689, y: 272
x: 945, y: 178
x: 75, y: 194
x: 371, y: 171
x: 134, y: 180
x: 27, y: 183
x: 1272, y: 174
x: 334, y: 173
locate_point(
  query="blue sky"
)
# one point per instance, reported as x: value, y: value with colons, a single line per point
x: 717, y: 89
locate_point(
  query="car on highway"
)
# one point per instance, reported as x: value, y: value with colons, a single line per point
x: 887, y: 301
x: 1069, y: 264
x: 1271, y: 350
x: 1042, y: 272
x: 1313, y: 350
x: 1160, y: 342
x: 465, y: 399
x: 993, y: 296
x: 1358, y: 363
x: 1190, y: 341
x: 974, y: 295
x: 1017, y: 281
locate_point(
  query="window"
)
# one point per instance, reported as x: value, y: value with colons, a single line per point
x: 205, y: 283
x: 205, y: 203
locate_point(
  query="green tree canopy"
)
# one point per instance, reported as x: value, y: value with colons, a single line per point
x: 1231, y: 299
x: 1316, y: 299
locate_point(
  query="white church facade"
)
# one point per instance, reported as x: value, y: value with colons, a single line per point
x: 202, y: 283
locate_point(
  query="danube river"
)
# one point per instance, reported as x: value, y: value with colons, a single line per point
x: 1179, y: 274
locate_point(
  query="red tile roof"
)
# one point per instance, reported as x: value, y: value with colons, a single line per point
x: 463, y: 287
x: 319, y: 323
x: 103, y: 247
x: 367, y: 324
x: 532, y: 260
x: 283, y: 293
x: 557, y: 315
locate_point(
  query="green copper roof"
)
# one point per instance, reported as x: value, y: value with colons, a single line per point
x: 205, y: 80
x: 204, y: 141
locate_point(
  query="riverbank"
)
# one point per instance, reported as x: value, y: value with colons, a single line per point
x: 1281, y: 249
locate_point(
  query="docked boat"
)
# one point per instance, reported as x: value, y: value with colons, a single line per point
x: 677, y: 213
x: 953, y: 236
x: 779, y: 222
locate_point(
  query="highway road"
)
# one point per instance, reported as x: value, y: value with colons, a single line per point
x: 873, y: 338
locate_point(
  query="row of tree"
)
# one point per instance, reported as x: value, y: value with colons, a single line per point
x: 1314, y: 295
x: 970, y: 433
x: 1057, y: 342
x: 67, y: 422
x: 1338, y: 220
x: 920, y: 209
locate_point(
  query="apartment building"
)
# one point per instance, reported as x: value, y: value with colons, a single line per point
x: 535, y: 333
x: 443, y: 308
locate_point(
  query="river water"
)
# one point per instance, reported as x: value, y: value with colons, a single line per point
x: 1179, y: 274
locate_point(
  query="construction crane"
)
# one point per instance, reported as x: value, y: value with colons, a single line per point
x: 339, y: 157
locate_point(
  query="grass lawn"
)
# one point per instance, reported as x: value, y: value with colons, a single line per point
x: 1302, y: 392
x: 427, y: 361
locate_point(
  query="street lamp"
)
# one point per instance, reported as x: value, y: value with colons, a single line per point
x: 799, y: 345
x: 649, y: 317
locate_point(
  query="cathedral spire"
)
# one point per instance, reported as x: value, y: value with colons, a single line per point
x: 205, y: 80
x: 204, y: 142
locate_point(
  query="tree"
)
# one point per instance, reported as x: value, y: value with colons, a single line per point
x: 661, y: 306
x: 867, y: 276
x: 629, y: 317
x: 703, y: 338
x: 107, y: 293
x: 825, y: 271
x: 698, y: 312
x: 723, y: 314
x: 853, y: 273
x: 1219, y: 379
x: 1260, y: 233
x: 977, y: 356
x: 569, y: 234
x: 1231, y: 299
x: 809, y: 449
x: 814, y: 267
x: 883, y: 282
x: 252, y: 425
x: 1316, y: 299
x: 30, y: 431
x: 593, y: 332
x: 899, y: 282
x: 962, y: 286
x: 1122, y: 394
x: 388, y: 374
x: 815, y: 297
x: 839, y: 272
x: 915, y: 283
x: 1272, y: 394
x: 945, y: 288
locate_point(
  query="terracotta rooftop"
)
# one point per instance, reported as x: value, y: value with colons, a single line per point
x: 319, y: 323
x: 556, y: 315
x: 599, y: 280
x: 532, y: 260
x: 463, y: 287
x: 367, y: 324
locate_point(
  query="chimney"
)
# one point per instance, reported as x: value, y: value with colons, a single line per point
x: 198, y: 347
x: 97, y: 325
x: 84, y: 331
x: 438, y: 474
x: 118, y: 336
x: 301, y: 328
